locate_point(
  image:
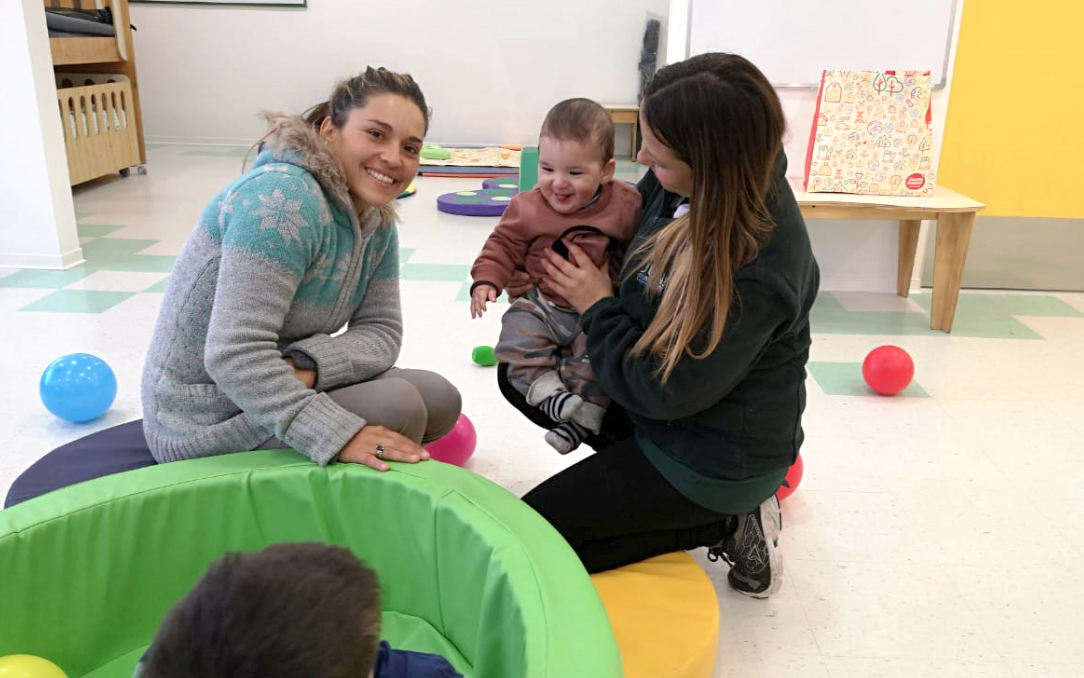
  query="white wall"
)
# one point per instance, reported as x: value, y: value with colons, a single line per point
x: 37, y: 218
x: 853, y: 255
x: 490, y: 70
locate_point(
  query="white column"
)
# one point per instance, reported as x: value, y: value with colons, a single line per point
x: 37, y: 217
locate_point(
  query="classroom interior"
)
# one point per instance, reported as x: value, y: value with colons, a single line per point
x: 937, y: 532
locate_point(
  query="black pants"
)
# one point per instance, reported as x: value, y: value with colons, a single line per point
x: 613, y: 507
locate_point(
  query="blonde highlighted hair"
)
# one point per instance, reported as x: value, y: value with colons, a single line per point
x: 720, y: 115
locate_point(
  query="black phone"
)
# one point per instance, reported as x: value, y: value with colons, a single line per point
x: 560, y: 248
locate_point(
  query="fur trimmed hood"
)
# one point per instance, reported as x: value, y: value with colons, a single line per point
x: 292, y: 135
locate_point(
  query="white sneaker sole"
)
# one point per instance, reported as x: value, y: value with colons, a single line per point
x: 772, y: 521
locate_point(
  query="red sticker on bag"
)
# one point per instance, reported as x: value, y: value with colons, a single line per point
x: 915, y: 181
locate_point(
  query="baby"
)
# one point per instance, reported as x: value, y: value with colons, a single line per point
x: 578, y: 201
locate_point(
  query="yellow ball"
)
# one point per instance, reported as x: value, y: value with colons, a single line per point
x: 28, y: 666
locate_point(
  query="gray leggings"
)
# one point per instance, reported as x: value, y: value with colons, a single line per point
x: 542, y: 342
x: 421, y: 405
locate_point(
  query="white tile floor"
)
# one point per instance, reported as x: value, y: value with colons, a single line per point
x: 939, y: 536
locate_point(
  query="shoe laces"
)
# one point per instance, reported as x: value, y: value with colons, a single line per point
x: 716, y: 553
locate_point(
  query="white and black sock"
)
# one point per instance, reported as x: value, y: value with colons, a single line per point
x: 561, y: 406
x: 566, y: 436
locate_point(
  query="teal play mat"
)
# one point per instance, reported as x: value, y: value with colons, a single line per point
x: 467, y: 569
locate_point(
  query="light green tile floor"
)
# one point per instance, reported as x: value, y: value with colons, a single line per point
x: 77, y: 301
x: 990, y: 316
x: 845, y: 379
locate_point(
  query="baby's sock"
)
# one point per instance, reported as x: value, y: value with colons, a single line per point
x: 561, y: 406
x: 566, y: 436
x: 589, y: 416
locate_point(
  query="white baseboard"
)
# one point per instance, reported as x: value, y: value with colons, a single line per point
x: 45, y: 261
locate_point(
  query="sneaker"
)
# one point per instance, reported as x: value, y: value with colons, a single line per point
x: 756, y: 566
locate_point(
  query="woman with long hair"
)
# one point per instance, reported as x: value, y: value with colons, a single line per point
x: 705, y: 345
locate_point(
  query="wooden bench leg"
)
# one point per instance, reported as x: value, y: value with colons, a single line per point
x: 950, y: 253
x: 905, y: 267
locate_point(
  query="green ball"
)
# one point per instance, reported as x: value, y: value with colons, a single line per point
x: 483, y: 355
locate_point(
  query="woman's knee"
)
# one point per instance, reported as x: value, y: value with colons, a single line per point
x: 393, y: 403
x: 443, y: 402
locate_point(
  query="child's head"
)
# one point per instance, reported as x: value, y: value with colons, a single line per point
x: 290, y: 610
x: 575, y: 154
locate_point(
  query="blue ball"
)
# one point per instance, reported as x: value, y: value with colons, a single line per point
x: 78, y: 387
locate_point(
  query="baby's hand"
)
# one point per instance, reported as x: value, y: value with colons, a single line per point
x: 478, y: 299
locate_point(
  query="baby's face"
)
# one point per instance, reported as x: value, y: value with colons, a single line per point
x: 570, y: 172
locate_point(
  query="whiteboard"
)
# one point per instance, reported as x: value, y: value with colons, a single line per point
x: 792, y: 41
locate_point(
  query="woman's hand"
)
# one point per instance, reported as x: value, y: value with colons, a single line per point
x: 373, y: 445
x: 306, y: 377
x: 578, y: 280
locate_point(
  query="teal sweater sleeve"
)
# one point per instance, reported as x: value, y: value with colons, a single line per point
x: 268, y: 242
x: 695, y: 384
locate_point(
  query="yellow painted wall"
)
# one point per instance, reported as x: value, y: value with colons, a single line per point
x: 1014, y: 138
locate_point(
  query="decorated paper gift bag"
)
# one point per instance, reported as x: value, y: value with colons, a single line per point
x: 871, y: 134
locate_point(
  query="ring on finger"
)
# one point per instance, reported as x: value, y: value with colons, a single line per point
x: 379, y: 451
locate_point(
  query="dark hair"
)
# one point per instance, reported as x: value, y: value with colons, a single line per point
x: 300, y: 609
x: 581, y: 120
x: 720, y: 115
x: 355, y: 92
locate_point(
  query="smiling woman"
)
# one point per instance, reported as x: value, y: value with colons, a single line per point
x: 305, y: 242
x: 376, y: 135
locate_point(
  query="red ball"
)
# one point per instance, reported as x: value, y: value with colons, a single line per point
x: 456, y: 446
x: 888, y: 369
x: 793, y: 479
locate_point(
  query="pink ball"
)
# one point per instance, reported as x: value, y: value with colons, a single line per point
x: 794, y: 477
x: 888, y: 369
x: 456, y: 446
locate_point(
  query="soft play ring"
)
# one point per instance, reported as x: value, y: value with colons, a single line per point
x: 506, y: 183
x: 410, y: 190
x: 488, y: 202
x: 665, y: 615
x: 467, y: 569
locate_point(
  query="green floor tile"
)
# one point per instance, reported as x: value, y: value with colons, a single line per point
x: 405, y: 253
x: 38, y: 279
x: 142, y: 263
x: 108, y: 250
x: 98, y: 230
x: 155, y: 147
x: 79, y: 216
x: 77, y: 301
x: 845, y: 379
x: 159, y: 286
x: 434, y: 272
x: 1006, y: 304
x: 973, y: 319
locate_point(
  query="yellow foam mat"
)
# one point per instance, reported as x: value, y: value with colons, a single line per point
x: 665, y: 616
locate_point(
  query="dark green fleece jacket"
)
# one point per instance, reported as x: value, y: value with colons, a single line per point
x: 723, y: 429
